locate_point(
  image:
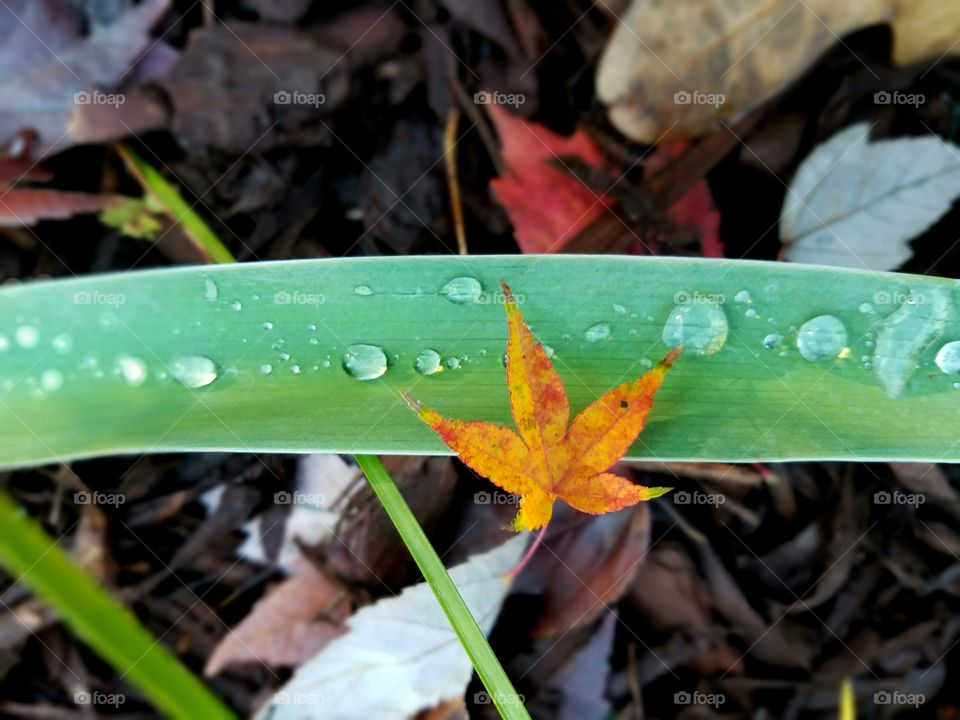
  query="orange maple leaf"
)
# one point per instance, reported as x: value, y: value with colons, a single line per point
x: 551, y: 457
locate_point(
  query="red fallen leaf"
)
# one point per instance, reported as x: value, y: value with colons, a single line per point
x: 695, y: 209
x: 546, y: 204
x: 26, y: 206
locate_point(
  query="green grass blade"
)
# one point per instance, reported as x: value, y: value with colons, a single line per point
x: 63, y: 398
x: 34, y: 559
x: 178, y: 210
x: 484, y: 661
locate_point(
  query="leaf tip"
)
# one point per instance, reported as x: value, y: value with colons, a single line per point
x: 670, y: 358
x: 655, y: 492
x: 412, y: 402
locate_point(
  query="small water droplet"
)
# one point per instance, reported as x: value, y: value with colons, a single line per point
x: 51, y: 380
x: 255, y: 296
x: 63, y: 344
x: 750, y: 313
x: 363, y: 290
x: 326, y: 363
x: 772, y: 340
x: 701, y: 328
x: 462, y: 290
x: 364, y: 362
x: 866, y: 308
x: 633, y: 332
x: 427, y: 362
x: 742, y: 297
x: 26, y: 336
x: 314, y: 341
x: 210, y: 291
x: 4, y: 343
x: 948, y: 358
x: 619, y: 309
x: 548, y: 350
x: 266, y: 369
x: 598, y: 332
x: 295, y: 369
x: 821, y: 337
x: 312, y: 327
x: 646, y: 363
x: 453, y: 363
x: 905, y: 334
x: 284, y: 356
x: 236, y: 305
x: 132, y: 369
x: 267, y: 325
x: 194, y: 371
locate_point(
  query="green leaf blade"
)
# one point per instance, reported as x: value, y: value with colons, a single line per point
x: 256, y: 322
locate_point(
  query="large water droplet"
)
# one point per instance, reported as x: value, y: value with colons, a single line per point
x: 364, y: 362
x: 26, y: 336
x: 598, y: 332
x: 210, y: 291
x: 905, y: 334
x: 948, y: 358
x: 4, y: 343
x: 363, y: 290
x: 462, y: 290
x: 821, y: 337
x: 701, y: 328
x: 427, y: 362
x: 132, y: 369
x: 51, y: 380
x: 194, y: 371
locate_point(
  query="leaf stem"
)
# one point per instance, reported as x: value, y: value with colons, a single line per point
x: 484, y: 660
x: 509, y: 576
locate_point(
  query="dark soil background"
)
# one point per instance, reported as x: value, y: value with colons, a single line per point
x: 767, y: 600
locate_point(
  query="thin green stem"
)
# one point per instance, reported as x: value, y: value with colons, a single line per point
x: 34, y: 559
x: 484, y: 660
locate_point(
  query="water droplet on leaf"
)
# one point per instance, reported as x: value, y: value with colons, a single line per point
x: 364, y: 362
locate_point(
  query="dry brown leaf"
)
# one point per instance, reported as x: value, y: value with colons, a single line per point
x: 729, y: 57
x: 282, y: 630
x: 925, y: 29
